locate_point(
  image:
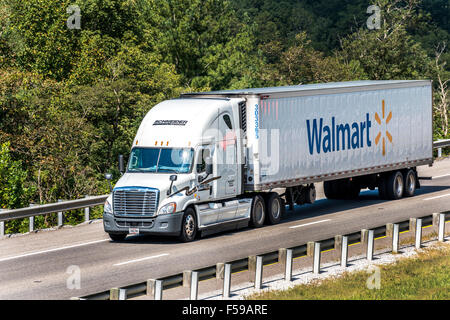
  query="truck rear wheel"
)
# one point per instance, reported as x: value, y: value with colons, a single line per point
x: 394, y: 185
x: 258, y: 213
x: 188, y: 226
x: 329, y: 189
x: 275, y: 208
x: 409, y: 183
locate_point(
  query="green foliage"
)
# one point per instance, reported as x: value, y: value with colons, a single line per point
x: 71, y: 100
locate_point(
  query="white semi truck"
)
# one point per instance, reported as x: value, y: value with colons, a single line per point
x: 208, y: 162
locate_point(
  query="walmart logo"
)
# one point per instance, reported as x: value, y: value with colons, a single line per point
x: 388, y: 135
x: 332, y: 136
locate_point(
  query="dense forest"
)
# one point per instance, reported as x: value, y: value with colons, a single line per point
x: 78, y: 76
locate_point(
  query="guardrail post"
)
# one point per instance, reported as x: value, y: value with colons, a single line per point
x: 155, y: 288
x: 288, y: 265
x: 389, y: 229
x: 344, y: 251
x: 395, y: 237
x: 439, y: 152
x: 316, y: 258
x: 31, y: 225
x: 227, y: 280
x: 194, y: 285
x: 418, y: 233
x: 60, y: 217
x: 370, y: 243
x: 364, y: 237
x: 2, y: 226
x: 282, y: 258
x: 122, y: 294
x: 114, y: 294
x: 338, y: 244
x: 259, y: 272
x: 157, y: 295
x: 86, y: 211
x: 441, y: 234
x: 252, y: 268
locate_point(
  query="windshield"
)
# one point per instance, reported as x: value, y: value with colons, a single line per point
x: 162, y: 160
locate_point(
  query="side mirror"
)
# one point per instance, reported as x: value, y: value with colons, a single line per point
x: 172, y: 178
x: 121, y: 166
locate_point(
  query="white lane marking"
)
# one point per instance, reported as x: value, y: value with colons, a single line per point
x: 52, y: 250
x: 142, y: 259
x: 444, y: 175
x: 437, y: 197
x: 308, y: 224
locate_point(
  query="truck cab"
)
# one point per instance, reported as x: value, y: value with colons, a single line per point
x: 183, y: 169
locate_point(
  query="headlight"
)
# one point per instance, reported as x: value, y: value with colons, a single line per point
x: 168, y: 208
x: 107, y: 207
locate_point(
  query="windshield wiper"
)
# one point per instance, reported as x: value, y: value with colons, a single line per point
x: 168, y: 169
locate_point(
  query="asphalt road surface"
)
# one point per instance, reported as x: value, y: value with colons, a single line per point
x: 46, y: 264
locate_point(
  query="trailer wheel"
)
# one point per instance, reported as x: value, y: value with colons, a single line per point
x: 409, y: 183
x: 188, y: 226
x: 394, y: 185
x: 275, y: 208
x: 258, y: 213
x: 329, y: 190
x: 382, y: 182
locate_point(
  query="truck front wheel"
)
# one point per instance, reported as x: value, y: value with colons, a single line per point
x: 188, y: 226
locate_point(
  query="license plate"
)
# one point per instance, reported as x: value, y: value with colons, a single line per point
x: 133, y: 231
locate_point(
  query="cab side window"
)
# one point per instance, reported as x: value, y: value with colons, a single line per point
x: 203, y: 154
x: 226, y: 118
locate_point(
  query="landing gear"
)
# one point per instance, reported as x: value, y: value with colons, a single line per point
x: 300, y: 195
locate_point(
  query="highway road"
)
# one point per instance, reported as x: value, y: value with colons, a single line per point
x: 36, y: 265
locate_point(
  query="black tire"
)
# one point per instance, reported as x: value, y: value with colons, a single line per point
x: 117, y: 236
x: 329, y: 190
x: 394, y: 185
x: 274, y: 208
x: 310, y: 194
x: 258, y: 212
x: 188, y: 226
x: 409, y: 183
x: 382, y: 187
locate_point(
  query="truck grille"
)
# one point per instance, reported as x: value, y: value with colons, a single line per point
x: 135, y: 202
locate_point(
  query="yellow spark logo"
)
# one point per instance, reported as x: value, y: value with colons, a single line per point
x: 388, y: 135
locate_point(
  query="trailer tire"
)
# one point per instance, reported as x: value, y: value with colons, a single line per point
x: 274, y: 208
x: 394, y: 185
x: 188, y: 226
x: 258, y: 213
x: 382, y: 187
x: 329, y: 190
x: 409, y: 183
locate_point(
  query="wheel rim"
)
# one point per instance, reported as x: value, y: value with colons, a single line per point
x: 189, y: 225
x: 258, y: 211
x: 276, y: 208
x: 398, y: 185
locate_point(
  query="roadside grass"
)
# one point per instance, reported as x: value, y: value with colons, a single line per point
x: 425, y: 276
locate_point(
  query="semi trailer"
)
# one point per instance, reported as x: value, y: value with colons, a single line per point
x: 214, y: 161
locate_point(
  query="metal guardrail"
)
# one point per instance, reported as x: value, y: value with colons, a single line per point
x: 285, y: 256
x: 60, y: 207
x: 441, y: 144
